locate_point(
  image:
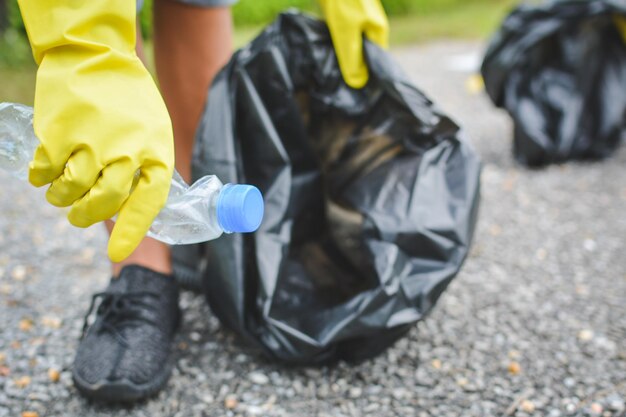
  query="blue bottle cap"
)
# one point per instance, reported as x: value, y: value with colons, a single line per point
x: 239, y: 208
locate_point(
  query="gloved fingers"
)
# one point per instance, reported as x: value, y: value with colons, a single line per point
x: 42, y: 170
x: 139, y: 211
x: 80, y: 175
x: 377, y: 31
x: 379, y: 35
x: 106, y: 197
x: 376, y: 27
x: 349, y: 48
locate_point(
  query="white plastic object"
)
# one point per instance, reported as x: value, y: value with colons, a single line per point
x: 192, y: 214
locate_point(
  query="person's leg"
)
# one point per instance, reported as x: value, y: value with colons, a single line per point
x: 123, y: 356
x: 191, y: 44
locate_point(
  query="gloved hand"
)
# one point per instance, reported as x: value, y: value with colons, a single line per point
x: 99, y: 117
x: 347, y: 21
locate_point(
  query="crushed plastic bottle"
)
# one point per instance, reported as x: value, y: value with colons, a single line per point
x: 192, y: 214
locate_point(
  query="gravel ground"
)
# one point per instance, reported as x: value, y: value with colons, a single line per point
x: 535, y: 325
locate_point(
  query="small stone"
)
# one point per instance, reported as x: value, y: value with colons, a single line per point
x: 258, y: 378
x: 527, y: 406
x: 30, y: 414
x: 582, y: 289
x: 436, y: 363
x: 541, y: 254
x: 19, y: 273
x: 230, y: 402
x: 514, y: 354
x: 86, y: 256
x: 54, y: 375
x: 585, y: 335
x: 371, y: 407
x: 51, y: 322
x: 616, y: 404
x: 5, y: 371
x: 554, y: 413
x: 3, y: 358
x: 399, y: 393
x: 495, y: 230
x: 195, y: 337
x: 514, y: 368
x: 474, y: 84
x: 569, y: 382
x: 461, y: 382
x: 589, y: 245
x: 39, y: 396
x: 355, y: 392
x: 207, y: 399
x: 26, y: 325
x: 423, y: 378
x: 5, y: 289
x: 254, y: 410
x: 596, y: 408
x: 22, y: 382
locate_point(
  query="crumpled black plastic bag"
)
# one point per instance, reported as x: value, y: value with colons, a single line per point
x: 371, y: 198
x: 559, y: 69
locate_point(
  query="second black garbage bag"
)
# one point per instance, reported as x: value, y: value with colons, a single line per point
x: 559, y: 69
x: 371, y: 198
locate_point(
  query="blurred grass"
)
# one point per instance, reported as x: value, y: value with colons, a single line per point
x: 469, y: 20
x: 17, y: 85
x: 449, y: 19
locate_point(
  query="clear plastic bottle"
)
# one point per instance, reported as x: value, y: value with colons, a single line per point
x: 192, y: 214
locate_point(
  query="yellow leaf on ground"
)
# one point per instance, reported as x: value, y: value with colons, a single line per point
x: 26, y: 325
x: 19, y: 273
x: 230, y: 402
x: 514, y: 368
x: 51, y: 322
x: 474, y: 84
x: 22, y: 382
x: 527, y: 406
x: 54, y: 374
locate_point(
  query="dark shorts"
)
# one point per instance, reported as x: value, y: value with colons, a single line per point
x: 200, y: 3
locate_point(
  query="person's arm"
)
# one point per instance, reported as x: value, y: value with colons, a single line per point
x: 348, y: 21
x: 99, y: 117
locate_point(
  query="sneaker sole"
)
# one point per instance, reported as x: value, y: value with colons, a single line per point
x: 123, y: 390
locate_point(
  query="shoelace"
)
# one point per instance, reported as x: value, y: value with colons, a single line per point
x: 119, y: 310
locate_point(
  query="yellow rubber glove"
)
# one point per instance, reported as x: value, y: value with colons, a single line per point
x: 347, y: 21
x: 99, y: 117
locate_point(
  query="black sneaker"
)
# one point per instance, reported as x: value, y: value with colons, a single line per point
x: 125, y: 355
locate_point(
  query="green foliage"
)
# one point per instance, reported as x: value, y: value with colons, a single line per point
x: 145, y: 19
x: 424, y: 7
x: 399, y: 7
x: 14, y: 48
x: 254, y: 12
x: 15, y: 19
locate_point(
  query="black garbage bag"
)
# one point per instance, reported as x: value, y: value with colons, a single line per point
x: 371, y: 198
x: 559, y: 69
